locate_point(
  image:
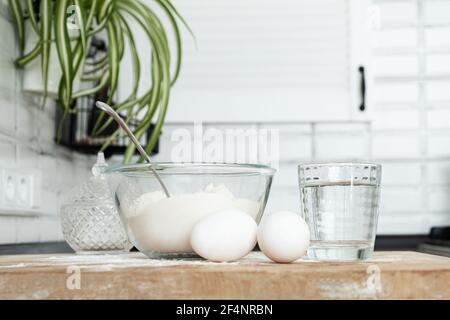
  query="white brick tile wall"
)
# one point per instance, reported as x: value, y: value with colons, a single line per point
x: 7, y: 151
x: 7, y: 124
x: 397, y: 145
x: 438, y: 90
x: 286, y: 176
x: 395, y: 93
x: 437, y: 12
x: 439, y: 198
x: 437, y: 37
x: 438, y: 64
x: 27, y: 229
x: 400, y: 199
x: 439, y: 118
x: 354, y: 128
x: 415, y: 184
x: 397, y: 12
x: 403, y: 65
x: 49, y: 229
x: 26, y: 145
x: 395, y: 38
x: 395, y: 119
x: 341, y: 147
x: 437, y: 220
x: 401, y: 174
x: 284, y: 199
x: 439, y: 145
x: 438, y: 173
x: 166, y: 144
x: 8, y: 228
x: 294, y: 142
x: 402, y: 224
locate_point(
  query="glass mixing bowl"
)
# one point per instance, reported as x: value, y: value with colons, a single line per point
x: 160, y: 227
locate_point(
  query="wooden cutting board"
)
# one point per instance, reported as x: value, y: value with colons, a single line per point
x: 388, y: 275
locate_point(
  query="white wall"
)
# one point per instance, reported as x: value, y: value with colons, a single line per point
x: 26, y: 145
x: 408, y: 131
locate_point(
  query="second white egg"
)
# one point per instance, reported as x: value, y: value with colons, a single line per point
x: 224, y: 236
x: 283, y: 236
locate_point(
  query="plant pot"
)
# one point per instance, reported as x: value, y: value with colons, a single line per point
x: 32, y: 73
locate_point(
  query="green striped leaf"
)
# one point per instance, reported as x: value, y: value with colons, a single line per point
x: 17, y: 14
x: 64, y: 52
x: 46, y: 19
x: 32, y: 15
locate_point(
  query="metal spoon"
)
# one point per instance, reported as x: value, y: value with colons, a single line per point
x: 110, y: 111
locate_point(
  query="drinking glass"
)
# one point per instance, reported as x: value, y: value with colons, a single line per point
x: 340, y: 201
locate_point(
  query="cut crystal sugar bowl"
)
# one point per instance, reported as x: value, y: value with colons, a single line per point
x: 90, y: 222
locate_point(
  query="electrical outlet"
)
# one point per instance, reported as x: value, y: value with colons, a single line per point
x: 9, y: 187
x: 24, y: 187
x: 18, y: 191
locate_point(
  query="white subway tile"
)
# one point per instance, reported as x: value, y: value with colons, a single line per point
x: 7, y: 152
x: 439, y: 145
x: 395, y: 38
x: 46, y: 127
x: 7, y: 50
x: 49, y: 165
x: 398, y: 145
x: 7, y: 79
x: 294, y: 147
x: 283, y: 199
x: 437, y: 37
x: 400, y: 199
x: 438, y: 90
x: 27, y: 159
x: 66, y: 174
x: 349, y: 127
x: 341, y: 147
x: 176, y: 143
x: 438, y: 64
x: 396, y: 65
x: 438, y: 172
x: 441, y: 219
x: 286, y: 176
x: 8, y: 228
x: 82, y: 170
x: 437, y: 12
x: 398, y: 12
x: 49, y: 229
x: 439, y: 118
x: 26, y: 124
x: 395, y: 119
x: 240, y: 143
x: 49, y: 201
x: 395, y: 93
x: 401, y: 174
x: 439, y: 199
x: 402, y: 224
x: 27, y: 229
x: 4, y: 11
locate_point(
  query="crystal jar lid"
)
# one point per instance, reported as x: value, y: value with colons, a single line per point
x: 93, y: 191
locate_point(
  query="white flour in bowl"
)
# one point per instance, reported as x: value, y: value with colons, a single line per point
x: 164, y: 224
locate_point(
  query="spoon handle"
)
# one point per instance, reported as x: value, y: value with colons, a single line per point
x: 111, y: 112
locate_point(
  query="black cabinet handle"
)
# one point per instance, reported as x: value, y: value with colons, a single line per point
x: 362, y: 88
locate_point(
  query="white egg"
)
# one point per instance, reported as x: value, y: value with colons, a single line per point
x: 224, y: 236
x: 283, y: 236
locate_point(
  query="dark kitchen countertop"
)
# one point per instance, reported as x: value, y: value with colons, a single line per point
x: 383, y: 243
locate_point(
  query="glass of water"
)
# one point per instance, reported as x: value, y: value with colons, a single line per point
x: 339, y: 201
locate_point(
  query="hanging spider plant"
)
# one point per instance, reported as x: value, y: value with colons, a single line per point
x: 51, y: 21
